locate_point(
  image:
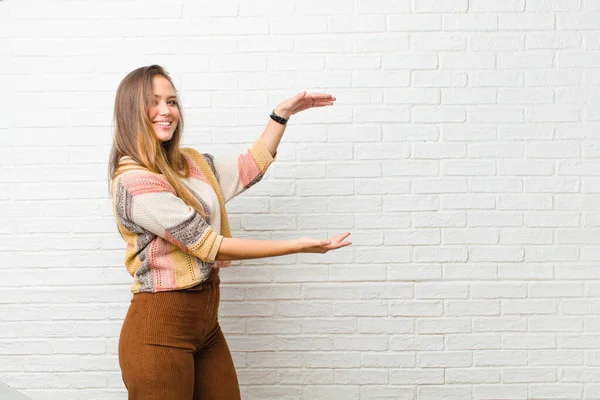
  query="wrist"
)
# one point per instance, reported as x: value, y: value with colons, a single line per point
x: 298, y: 246
x: 283, y: 112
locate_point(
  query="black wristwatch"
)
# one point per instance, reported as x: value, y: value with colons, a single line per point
x: 278, y: 119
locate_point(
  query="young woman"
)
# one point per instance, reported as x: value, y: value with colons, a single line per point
x: 169, y: 204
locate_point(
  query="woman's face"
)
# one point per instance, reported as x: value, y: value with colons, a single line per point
x: 163, y: 113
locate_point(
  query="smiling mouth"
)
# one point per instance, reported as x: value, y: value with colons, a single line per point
x: 166, y: 123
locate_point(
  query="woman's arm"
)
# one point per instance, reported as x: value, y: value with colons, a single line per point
x: 238, y: 172
x: 302, y: 101
x: 243, y: 249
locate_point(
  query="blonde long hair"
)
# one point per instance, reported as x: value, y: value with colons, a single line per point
x: 134, y: 134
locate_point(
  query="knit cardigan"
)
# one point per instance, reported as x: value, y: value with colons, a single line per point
x: 170, y: 246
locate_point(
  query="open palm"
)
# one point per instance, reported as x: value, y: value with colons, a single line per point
x: 310, y: 245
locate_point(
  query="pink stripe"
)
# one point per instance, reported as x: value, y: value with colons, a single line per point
x: 143, y: 182
x: 248, y: 168
x: 163, y: 269
x: 195, y: 171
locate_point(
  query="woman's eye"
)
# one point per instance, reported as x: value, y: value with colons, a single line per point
x: 173, y: 102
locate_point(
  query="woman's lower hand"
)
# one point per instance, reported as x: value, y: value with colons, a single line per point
x: 310, y: 245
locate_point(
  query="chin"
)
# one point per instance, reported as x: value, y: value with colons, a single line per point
x: 164, y: 136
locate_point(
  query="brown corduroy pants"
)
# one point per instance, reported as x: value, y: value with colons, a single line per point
x: 171, y: 346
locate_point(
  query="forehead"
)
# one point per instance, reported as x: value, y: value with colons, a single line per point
x: 161, y: 86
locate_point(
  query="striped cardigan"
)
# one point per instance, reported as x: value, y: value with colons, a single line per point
x: 169, y: 245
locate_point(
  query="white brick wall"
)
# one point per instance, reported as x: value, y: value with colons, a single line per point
x: 462, y: 153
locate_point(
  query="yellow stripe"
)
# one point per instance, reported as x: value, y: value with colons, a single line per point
x: 212, y: 179
x: 261, y: 155
x: 204, y: 247
x: 187, y: 271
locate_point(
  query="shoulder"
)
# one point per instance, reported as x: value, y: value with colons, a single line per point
x: 139, y: 180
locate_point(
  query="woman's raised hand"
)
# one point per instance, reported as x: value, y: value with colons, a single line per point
x: 303, y: 101
x: 310, y: 245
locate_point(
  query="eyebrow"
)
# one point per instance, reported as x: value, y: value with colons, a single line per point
x: 170, y: 97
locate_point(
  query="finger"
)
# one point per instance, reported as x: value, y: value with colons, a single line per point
x: 339, y: 238
x: 320, y: 96
x: 342, y: 236
x: 322, y: 104
x: 338, y: 245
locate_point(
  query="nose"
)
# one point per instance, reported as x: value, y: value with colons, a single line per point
x: 163, y: 108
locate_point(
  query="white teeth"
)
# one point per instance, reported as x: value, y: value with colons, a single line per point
x: 163, y: 123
